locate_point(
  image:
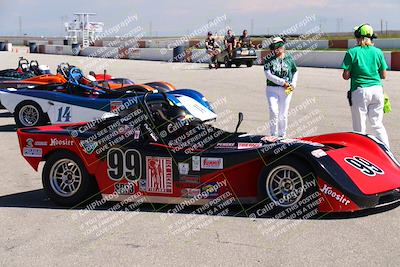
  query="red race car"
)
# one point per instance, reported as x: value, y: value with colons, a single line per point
x: 159, y: 153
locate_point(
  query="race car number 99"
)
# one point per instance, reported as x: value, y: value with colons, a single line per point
x: 364, y: 166
x: 122, y: 164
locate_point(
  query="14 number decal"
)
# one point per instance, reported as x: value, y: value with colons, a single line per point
x: 64, y: 114
x: 364, y: 166
x: 122, y: 164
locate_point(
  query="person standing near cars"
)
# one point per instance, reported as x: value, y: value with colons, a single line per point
x: 229, y: 42
x: 365, y: 65
x: 281, y: 73
x: 212, y: 49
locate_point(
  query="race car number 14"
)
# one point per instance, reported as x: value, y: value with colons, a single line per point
x: 64, y: 114
x: 124, y: 164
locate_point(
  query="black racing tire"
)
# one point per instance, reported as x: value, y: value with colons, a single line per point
x: 56, y: 189
x: 238, y: 65
x: 249, y: 64
x: 29, y: 114
x: 297, y: 180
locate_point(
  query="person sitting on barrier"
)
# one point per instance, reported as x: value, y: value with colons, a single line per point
x: 244, y: 40
x: 365, y: 65
x: 212, y: 49
x: 230, y: 42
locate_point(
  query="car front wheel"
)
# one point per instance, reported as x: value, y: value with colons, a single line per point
x: 288, y: 186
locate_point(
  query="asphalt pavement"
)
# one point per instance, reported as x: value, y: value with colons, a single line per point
x: 36, y: 232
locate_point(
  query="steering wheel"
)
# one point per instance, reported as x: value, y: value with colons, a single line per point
x: 23, y: 63
x: 63, y: 69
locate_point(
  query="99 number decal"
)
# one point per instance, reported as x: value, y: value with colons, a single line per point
x: 364, y: 166
x: 122, y: 164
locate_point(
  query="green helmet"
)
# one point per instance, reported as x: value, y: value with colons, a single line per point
x: 364, y: 30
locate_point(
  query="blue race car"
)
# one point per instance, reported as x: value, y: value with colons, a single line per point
x: 77, y: 102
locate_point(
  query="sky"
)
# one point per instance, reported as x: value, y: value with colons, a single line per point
x: 180, y: 17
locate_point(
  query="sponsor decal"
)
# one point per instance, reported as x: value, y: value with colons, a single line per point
x: 249, y: 145
x: 88, y: 147
x: 61, y: 142
x: 213, y: 189
x: 183, y: 168
x: 364, y: 166
x: 212, y: 163
x: 115, y: 105
x: 29, y: 142
x: 136, y: 135
x: 159, y: 175
x: 196, y: 163
x: 41, y: 143
x: 142, y: 185
x: 193, y: 179
x: 318, y: 153
x: 190, y: 192
x: 225, y: 145
x: 271, y: 139
x: 124, y: 189
x: 32, y: 152
x: 327, y: 190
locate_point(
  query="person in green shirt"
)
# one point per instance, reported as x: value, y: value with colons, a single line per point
x: 365, y: 66
x: 281, y: 73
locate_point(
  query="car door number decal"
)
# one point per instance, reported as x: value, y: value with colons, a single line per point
x: 364, y: 166
x: 64, y: 114
x: 124, y: 164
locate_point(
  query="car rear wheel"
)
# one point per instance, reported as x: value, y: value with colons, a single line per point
x: 29, y: 114
x: 66, y: 180
x: 288, y: 186
x: 249, y: 64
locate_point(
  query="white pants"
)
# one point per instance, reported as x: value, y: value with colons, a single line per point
x: 368, y: 102
x: 278, y: 109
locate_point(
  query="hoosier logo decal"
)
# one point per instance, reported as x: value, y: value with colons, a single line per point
x: 159, y: 175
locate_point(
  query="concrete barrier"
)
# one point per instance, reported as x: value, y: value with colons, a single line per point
x: 101, y: 52
x: 199, y: 56
x: 303, y: 58
x: 57, y: 49
x: 381, y: 43
x: 154, y: 54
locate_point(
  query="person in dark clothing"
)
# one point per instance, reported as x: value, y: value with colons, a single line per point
x: 244, y: 40
x: 212, y: 49
x: 230, y: 42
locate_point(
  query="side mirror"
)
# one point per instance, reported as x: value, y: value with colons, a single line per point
x: 240, y: 119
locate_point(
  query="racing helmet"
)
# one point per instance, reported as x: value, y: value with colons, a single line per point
x: 44, y: 69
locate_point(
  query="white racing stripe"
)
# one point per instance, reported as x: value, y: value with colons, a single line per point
x: 197, y: 109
